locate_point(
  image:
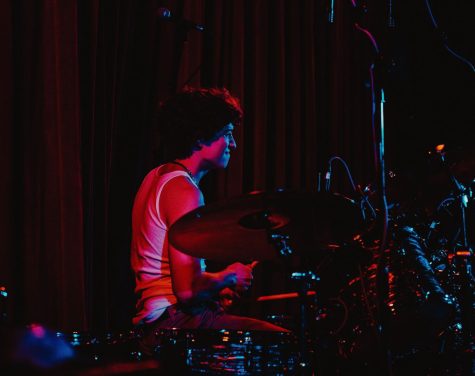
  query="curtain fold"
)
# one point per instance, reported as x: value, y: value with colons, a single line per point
x: 45, y: 249
x: 8, y: 221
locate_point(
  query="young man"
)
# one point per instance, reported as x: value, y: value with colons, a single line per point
x: 173, y: 288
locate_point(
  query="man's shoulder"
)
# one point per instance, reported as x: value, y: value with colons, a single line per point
x: 182, y: 182
x: 179, y: 196
x: 181, y: 188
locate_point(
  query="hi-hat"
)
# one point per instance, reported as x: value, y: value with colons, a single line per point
x: 240, y: 229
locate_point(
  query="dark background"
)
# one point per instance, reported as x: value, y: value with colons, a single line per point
x: 81, y: 81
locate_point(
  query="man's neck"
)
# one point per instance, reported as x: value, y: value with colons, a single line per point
x: 194, y: 164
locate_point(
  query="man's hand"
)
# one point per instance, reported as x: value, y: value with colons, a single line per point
x: 239, y: 276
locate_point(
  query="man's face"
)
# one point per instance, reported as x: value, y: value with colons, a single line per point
x: 216, y: 153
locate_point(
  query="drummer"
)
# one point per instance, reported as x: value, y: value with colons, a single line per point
x: 173, y: 288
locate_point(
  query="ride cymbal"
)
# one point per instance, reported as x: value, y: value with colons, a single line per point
x: 240, y: 229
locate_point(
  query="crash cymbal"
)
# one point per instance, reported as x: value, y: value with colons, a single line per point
x: 239, y: 229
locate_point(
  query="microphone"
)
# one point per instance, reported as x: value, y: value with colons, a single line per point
x: 328, y: 178
x: 166, y: 14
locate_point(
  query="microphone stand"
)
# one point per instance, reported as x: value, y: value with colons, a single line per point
x: 377, y: 123
x: 382, y: 272
x: 181, y: 37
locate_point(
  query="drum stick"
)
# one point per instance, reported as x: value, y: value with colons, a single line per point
x: 289, y: 295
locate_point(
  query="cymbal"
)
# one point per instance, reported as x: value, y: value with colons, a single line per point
x: 239, y: 229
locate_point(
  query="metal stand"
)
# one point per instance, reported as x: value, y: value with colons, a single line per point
x: 306, y: 281
x: 377, y: 127
x: 181, y: 37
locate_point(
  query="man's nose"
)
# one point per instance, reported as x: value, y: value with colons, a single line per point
x: 232, y: 143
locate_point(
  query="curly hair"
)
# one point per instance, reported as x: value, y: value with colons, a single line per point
x: 192, y: 116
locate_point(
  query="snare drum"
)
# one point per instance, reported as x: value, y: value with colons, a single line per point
x: 219, y: 352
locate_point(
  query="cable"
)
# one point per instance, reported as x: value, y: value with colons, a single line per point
x: 355, y: 187
x: 328, y: 176
x: 370, y: 36
x: 444, y: 38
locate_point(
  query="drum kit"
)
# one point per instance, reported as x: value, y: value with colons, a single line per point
x: 429, y: 297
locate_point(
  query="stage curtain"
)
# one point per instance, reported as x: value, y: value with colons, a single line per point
x: 42, y: 258
x: 81, y: 82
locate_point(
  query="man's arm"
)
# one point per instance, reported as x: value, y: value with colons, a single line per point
x: 189, y: 283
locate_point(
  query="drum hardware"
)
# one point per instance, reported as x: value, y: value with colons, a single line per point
x: 414, y: 259
x: 463, y: 255
x: 280, y: 243
x: 428, y: 280
x: 306, y: 281
x: 435, y: 270
x: 358, y: 338
x: 218, y: 352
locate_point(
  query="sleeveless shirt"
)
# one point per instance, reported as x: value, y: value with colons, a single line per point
x: 149, y: 256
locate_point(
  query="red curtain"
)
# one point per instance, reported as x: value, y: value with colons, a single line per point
x: 42, y: 227
x: 81, y: 81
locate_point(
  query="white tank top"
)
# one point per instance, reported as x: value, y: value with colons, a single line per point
x: 149, y: 257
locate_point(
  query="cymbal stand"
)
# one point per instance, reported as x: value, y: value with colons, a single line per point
x: 181, y: 38
x: 306, y: 281
x: 377, y: 72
